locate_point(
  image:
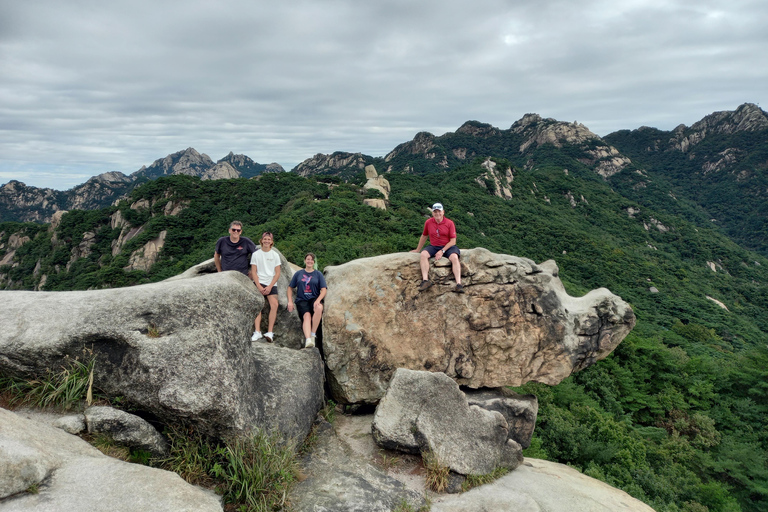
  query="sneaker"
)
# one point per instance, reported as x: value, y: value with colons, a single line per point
x: 256, y: 336
x: 459, y: 288
x: 424, y: 285
x: 270, y: 337
x: 309, y: 343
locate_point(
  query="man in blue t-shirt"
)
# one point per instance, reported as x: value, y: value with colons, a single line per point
x: 310, y: 291
x: 233, y: 252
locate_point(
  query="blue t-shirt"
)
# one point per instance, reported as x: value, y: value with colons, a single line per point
x: 307, y: 284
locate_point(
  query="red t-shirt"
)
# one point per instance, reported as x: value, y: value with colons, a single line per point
x: 439, y: 234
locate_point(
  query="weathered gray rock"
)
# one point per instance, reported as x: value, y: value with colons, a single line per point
x: 287, y: 326
x: 519, y: 410
x: 125, y: 428
x: 287, y: 388
x: 514, y: 324
x: 540, y: 485
x: 178, y: 349
x: 68, y: 422
x: 427, y: 412
x: 71, y: 475
x: 338, y: 480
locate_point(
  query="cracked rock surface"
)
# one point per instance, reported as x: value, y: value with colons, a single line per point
x: 515, y: 323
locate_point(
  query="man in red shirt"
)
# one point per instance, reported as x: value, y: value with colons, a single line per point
x: 442, y: 242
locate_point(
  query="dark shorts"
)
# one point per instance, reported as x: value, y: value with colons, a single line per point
x: 274, y: 289
x: 305, y: 306
x: 432, y: 250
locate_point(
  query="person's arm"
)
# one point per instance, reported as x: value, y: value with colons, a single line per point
x: 268, y: 289
x: 422, y: 240
x: 217, y: 261
x: 439, y: 254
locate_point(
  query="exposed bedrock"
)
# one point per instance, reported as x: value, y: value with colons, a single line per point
x: 178, y: 349
x: 515, y: 323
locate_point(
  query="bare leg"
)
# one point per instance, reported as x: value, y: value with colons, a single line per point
x: 306, y: 325
x: 424, y: 263
x: 257, y: 322
x: 456, y: 266
x: 272, y: 312
x: 317, y: 316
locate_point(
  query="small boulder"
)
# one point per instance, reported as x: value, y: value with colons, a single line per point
x: 427, y: 412
x: 519, y: 410
x: 125, y: 428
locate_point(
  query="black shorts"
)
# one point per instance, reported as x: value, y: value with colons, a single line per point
x: 432, y: 250
x: 305, y: 306
x: 274, y: 289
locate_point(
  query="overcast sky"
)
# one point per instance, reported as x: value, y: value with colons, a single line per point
x: 93, y: 86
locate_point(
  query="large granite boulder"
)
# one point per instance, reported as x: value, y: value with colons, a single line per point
x: 179, y: 349
x: 427, y: 412
x: 287, y: 325
x: 44, y: 468
x: 514, y: 324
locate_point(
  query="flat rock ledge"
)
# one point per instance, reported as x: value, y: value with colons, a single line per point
x: 45, y: 468
x: 515, y: 323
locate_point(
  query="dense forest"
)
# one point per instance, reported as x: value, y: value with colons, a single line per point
x: 675, y: 416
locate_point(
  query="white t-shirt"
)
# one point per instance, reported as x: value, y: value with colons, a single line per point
x: 265, y: 262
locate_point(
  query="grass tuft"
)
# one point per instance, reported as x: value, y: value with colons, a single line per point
x: 478, y: 480
x: 253, y: 473
x: 437, y: 473
x: 65, y: 387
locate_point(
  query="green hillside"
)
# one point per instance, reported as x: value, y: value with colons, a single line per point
x: 675, y: 416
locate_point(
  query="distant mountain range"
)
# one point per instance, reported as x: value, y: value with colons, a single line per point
x: 716, y: 169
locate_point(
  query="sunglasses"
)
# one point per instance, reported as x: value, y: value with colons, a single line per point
x: 235, y: 230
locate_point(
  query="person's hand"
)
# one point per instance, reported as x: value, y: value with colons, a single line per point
x: 265, y: 291
x: 290, y: 307
x: 415, y: 250
x: 439, y: 254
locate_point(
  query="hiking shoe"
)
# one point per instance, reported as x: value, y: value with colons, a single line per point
x: 269, y: 337
x: 256, y: 336
x: 459, y: 288
x: 424, y: 285
x: 309, y: 343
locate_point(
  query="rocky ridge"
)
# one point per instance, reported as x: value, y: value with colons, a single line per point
x: 19, y: 202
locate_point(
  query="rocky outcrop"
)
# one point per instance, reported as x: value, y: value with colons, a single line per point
x: 287, y: 326
x: 747, y: 117
x: 425, y: 412
x: 179, y: 350
x: 144, y: 257
x: 44, y: 468
x: 331, y: 164
x: 538, y: 131
x: 497, y: 181
x: 514, y: 324
x: 188, y: 162
x: 376, y: 181
x: 247, y: 168
x: 220, y: 171
x: 421, y: 144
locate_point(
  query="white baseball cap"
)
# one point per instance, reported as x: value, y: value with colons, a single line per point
x: 437, y: 206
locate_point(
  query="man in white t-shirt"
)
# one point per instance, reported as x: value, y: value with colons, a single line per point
x: 265, y: 271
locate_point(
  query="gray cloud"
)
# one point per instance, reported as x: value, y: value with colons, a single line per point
x: 88, y: 87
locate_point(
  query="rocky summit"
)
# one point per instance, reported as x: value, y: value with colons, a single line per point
x: 515, y: 323
x: 179, y: 350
